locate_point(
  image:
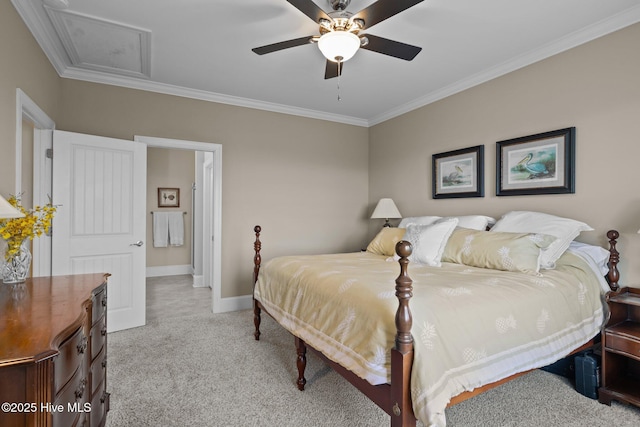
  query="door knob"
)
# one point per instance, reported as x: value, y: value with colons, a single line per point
x: 138, y: 243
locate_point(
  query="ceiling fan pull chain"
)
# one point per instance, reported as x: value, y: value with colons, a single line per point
x: 339, y: 74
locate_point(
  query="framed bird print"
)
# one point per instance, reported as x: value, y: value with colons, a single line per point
x: 537, y: 164
x: 458, y: 173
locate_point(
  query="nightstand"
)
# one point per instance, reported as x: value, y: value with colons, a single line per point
x: 621, y: 349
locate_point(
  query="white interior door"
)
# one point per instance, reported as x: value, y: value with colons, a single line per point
x: 100, y: 186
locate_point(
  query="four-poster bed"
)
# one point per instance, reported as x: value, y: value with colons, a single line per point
x: 393, y: 393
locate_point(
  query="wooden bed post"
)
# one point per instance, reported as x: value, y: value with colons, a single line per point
x: 402, y: 354
x: 257, y: 260
x: 614, y: 258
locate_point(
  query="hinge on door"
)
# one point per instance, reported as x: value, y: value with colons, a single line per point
x: 49, y: 153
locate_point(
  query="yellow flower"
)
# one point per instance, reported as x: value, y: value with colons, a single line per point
x: 35, y: 222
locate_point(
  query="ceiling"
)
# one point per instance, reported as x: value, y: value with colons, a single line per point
x: 202, y: 49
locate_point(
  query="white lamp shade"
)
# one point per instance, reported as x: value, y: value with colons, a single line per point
x: 386, y: 209
x: 8, y: 211
x: 338, y: 46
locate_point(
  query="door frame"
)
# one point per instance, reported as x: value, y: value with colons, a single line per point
x: 27, y: 110
x: 216, y: 209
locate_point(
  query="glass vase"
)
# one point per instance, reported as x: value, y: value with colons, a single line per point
x: 16, y: 268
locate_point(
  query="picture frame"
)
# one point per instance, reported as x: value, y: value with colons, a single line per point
x: 458, y: 173
x: 543, y: 163
x: 168, y: 197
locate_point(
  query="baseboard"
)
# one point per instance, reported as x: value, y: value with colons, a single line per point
x: 198, y: 281
x: 168, y: 270
x: 244, y: 302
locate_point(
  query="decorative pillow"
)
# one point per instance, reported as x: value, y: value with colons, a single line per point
x: 420, y: 220
x: 429, y: 241
x: 564, y: 229
x: 385, y: 241
x: 474, y: 222
x: 497, y: 250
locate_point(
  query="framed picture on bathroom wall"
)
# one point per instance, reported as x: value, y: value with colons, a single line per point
x: 168, y: 197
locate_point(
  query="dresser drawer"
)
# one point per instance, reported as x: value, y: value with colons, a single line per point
x: 70, y: 359
x: 98, y: 371
x: 69, y: 408
x: 623, y: 344
x: 99, y: 304
x: 99, y: 409
x: 98, y: 336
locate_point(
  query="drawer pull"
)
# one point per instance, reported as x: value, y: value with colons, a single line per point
x: 104, y: 301
x: 104, y: 363
x: 103, y: 331
x: 82, y: 346
x: 80, y: 390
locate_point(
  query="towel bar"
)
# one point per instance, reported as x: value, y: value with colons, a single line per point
x: 183, y: 213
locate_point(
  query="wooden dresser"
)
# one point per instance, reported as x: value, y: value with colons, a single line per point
x: 53, y: 352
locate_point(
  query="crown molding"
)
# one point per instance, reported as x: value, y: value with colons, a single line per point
x: 624, y: 19
x: 167, y: 89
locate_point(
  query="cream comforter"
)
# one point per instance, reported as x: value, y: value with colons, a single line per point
x: 471, y: 326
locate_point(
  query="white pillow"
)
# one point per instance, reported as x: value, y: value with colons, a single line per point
x: 564, y: 229
x: 597, y: 255
x: 420, y: 220
x: 429, y: 241
x: 474, y: 222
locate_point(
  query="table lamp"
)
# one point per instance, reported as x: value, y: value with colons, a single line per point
x: 386, y: 209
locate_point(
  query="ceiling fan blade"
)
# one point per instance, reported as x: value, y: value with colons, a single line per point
x: 391, y: 47
x: 332, y: 70
x: 282, y: 45
x: 383, y: 9
x: 310, y: 9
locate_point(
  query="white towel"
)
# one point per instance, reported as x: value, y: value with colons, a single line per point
x: 176, y: 229
x: 160, y: 229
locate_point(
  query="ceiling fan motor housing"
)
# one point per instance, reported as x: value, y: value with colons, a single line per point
x: 339, y: 4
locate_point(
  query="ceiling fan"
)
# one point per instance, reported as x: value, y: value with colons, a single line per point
x: 340, y: 36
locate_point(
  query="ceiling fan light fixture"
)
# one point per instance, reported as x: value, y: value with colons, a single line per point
x: 339, y: 46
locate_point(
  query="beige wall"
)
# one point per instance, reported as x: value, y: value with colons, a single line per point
x: 594, y: 87
x: 23, y: 66
x: 169, y: 168
x: 304, y: 180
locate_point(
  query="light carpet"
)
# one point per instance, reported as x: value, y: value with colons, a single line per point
x: 207, y: 370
